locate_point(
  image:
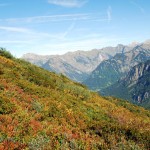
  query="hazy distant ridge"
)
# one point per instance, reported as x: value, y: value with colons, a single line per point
x: 76, y: 65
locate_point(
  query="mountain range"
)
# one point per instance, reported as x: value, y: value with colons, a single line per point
x: 110, y: 71
x: 76, y: 65
x: 101, y: 70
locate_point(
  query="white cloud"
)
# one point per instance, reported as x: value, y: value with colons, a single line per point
x: 61, y: 18
x: 71, y: 37
x: 50, y: 18
x: 14, y: 29
x: 70, y: 28
x: 14, y: 42
x: 68, y: 3
x: 109, y: 13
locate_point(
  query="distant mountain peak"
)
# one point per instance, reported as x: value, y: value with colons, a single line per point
x: 147, y: 41
x: 134, y: 43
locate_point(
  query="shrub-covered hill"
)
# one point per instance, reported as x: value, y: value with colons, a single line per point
x: 42, y: 110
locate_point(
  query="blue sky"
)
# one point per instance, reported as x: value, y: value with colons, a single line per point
x: 58, y: 26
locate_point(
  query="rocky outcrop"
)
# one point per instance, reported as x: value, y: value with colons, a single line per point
x: 135, y: 86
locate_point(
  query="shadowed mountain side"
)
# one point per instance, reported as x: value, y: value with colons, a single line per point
x: 135, y: 87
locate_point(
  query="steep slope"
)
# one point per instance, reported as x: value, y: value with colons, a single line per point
x: 75, y: 65
x: 41, y: 110
x: 109, y: 71
x: 135, y: 86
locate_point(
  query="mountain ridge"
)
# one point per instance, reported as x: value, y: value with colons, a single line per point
x: 83, y: 62
x: 111, y: 70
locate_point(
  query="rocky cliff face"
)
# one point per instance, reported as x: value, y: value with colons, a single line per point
x: 134, y: 87
x: 111, y: 70
x: 137, y: 72
x: 138, y: 81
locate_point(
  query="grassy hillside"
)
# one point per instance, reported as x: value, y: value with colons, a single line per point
x: 42, y: 110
